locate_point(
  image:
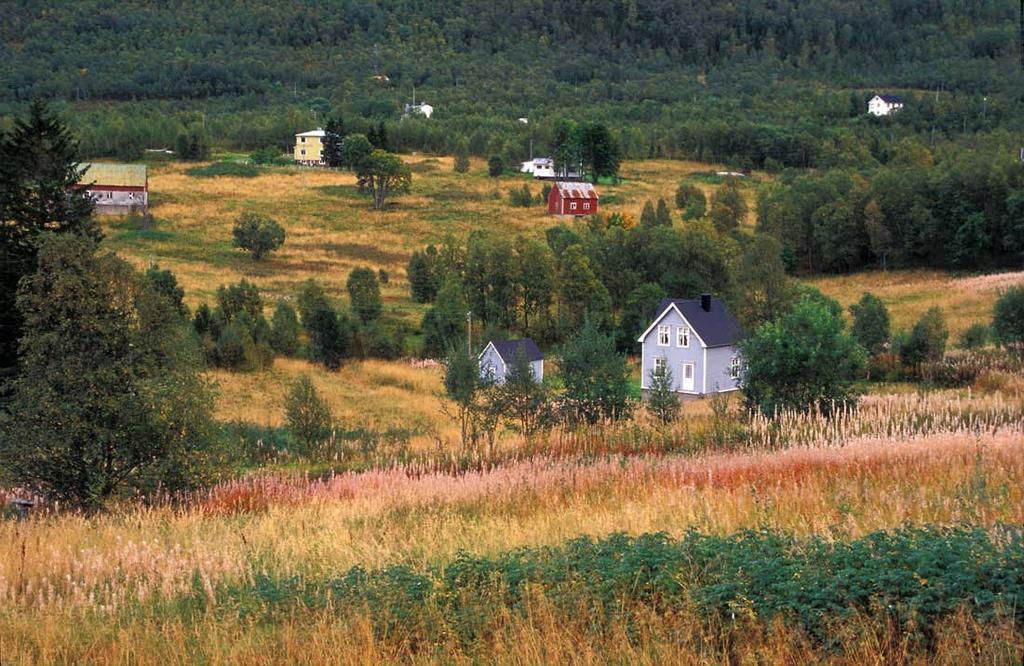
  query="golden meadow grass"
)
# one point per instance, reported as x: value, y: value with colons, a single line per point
x: 63, y: 572
x: 292, y: 525
x: 70, y: 585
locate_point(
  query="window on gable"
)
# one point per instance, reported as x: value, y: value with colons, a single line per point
x: 682, y: 336
x: 663, y: 335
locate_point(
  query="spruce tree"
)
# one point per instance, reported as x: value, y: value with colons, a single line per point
x: 38, y: 172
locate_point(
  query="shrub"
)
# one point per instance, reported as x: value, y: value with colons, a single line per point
x: 258, y: 234
x: 596, y: 377
x: 927, y: 340
x: 1008, y: 319
x: 687, y: 194
x: 976, y: 336
x: 662, y: 400
x: 495, y: 166
x: 870, y: 323
x: 307, y: 415
x: 311, y: 298
x: 803, y: 361
x: 330, y: 337
x: 267, y: 155
x: 461, y: 162
x: 284, y: 330
x: 521, y: 198
x: 364, y: 293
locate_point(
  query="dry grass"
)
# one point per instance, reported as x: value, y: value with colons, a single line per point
x: 369, y: 394
x: 908, y: 294
x: 297, y: 526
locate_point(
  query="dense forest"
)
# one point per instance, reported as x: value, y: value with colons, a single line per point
x: 753, y: 83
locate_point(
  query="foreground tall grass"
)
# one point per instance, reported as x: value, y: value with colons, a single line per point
x: 118, y: 578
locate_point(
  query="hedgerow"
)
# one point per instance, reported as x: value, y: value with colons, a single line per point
x: 910, y: 577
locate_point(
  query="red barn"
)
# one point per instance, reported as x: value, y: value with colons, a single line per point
x: 572, y: 198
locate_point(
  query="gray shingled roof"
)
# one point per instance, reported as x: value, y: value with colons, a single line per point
x: 507, y: 349
x: 716, y: 328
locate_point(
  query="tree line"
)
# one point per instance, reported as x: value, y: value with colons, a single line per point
x: 959, y: 211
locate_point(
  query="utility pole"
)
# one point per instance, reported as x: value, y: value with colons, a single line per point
x: 469, y: 332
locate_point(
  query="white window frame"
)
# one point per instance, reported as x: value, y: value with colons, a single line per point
x: 664, y: 335
x: 572, y: 205
x: 683, y: 337
x: 302, y: 152
x: 734, y: 367
x: 660, y: 362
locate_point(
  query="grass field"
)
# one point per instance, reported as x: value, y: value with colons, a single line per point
x: 906, y: 512
x: 128, y: 586
x: 332, y: 229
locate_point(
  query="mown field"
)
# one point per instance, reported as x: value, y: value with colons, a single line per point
x: 889, y: 533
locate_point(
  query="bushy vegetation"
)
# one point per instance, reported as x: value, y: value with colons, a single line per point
x: 911, y: 577
x: 258, y: 234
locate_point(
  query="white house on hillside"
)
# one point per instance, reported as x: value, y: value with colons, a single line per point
x: 883, y: 105
x: 539, y: 167
x: 422, y: 108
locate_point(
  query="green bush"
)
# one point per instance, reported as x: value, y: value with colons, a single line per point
x: 495, y: 166
x: 284, y: 330
x: 521, y: 198
x: 307, y: 414
x: 976, y: 336
x: 911, y: 577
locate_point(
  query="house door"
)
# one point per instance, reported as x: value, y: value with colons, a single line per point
x: 688, y: 377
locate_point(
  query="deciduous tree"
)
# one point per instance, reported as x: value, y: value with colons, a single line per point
x: 364, y: 293
x: 381, y: 174
x: 258, y: 234
x: 110, y: 399
x: 804, y: 360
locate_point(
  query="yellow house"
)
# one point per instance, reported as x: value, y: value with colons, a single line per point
x: 309, y: 147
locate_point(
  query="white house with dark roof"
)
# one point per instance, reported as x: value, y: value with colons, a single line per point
x: 497, y: 357
x: 883, y: 105
x: 696, y: 340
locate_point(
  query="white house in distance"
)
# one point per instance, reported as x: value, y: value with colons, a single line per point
x: 883, y: 105
x: 696, y: 340
x: 539, y: 167
x: 422, y: 109
x: 497, y: 357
